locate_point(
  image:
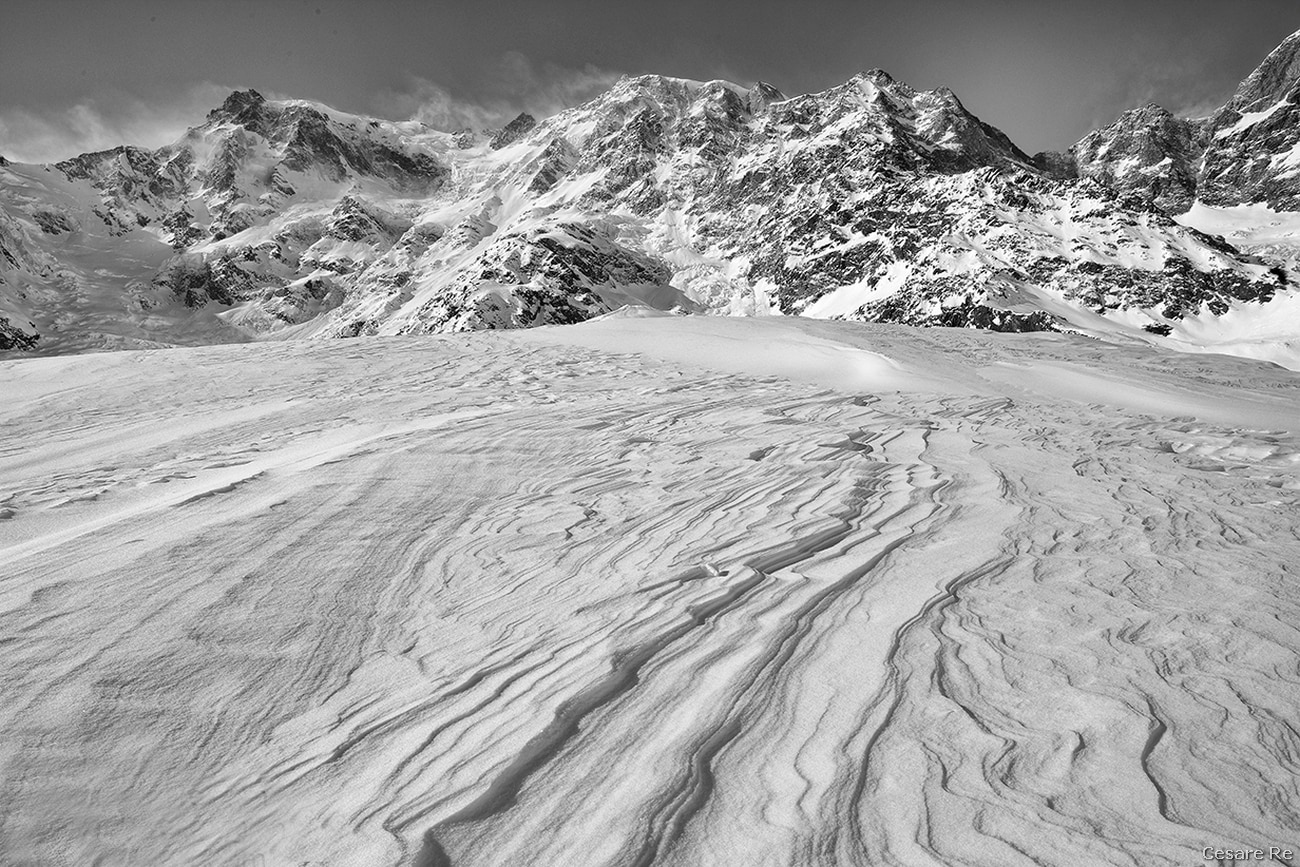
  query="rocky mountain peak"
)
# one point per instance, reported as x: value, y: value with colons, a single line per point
x: 652, y: 82
x: 1146, y: 152
x: 513, y: 131
x: 239, y: 103
x: 1273, y: 80
x: 932, y: 126
x: 1246, y: 152
x: 667, y: 96
x: 761, y: 95
x: 885, y: 81
x: 1253, y: 149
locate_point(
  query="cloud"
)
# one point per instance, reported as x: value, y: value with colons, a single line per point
x: 1203, y: 106
x: 551, y: 88
x: 101, y: 123
x: 513, y: 85
x: 432, y: 104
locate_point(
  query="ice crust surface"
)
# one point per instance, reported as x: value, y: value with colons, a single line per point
x: 649, y: 590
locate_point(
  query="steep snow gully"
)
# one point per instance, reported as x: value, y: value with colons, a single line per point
x: 671, y: 591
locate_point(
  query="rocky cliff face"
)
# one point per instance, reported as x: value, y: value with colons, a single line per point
x: 246, y: 163
x: 23, y: 268
x: 870, y: 201
x: 1253, y: 153
x: 521, y: 125
x: 1246, y: 152
x: 1147, y: 153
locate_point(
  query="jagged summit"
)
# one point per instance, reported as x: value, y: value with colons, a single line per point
x: 1146, y: 152
x: 1273, y: 80
x: 239, y: 102
x: 1247, y: 151
x: 881, y: 78
x: 1253, y: 152
x: 761, y: 96
x: 250, y: 158
x: 653, y: 86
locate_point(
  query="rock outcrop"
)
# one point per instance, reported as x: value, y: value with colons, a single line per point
x: 1148, y: 153
x: 521, y: 125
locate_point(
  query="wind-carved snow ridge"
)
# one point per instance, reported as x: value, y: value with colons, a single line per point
x: 649, y: 590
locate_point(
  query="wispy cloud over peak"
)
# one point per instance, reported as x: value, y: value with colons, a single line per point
x: 99, y: 123
x: 516, y: 84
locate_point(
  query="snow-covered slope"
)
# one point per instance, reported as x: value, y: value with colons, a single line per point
x: 649, y: 590
x: 869, y: 201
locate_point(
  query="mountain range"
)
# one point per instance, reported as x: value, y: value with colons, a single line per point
x: 869, y: 201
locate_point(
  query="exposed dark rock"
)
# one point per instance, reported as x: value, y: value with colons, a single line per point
x: 761, y: 95
x: 1054, y: 164
x: 247, y: 108
x: 180, y: 227
x: 54, y: 222
x: 355, y: 219
x: 513, y: 131
x: 546, y: 277
x: 192, y: 281
x: 12, y: 337
x: 556, y: 161
x: 1254, y: 143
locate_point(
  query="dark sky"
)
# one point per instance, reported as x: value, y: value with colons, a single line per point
x: 81, y: 74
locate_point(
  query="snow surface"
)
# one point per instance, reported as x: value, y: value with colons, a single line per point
x: 650, y: 589
x: 1250, y: 118
x: 1249, y: 225
x: 1263, y: 331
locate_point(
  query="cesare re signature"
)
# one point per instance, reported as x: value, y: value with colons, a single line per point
x: 1272, y: 853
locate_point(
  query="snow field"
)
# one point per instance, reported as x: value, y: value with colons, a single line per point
x: 652, y: 589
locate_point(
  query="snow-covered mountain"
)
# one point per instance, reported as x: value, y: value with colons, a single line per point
x: 869, y: 201
x: 116, y: 248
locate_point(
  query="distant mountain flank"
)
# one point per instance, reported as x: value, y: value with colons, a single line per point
x: 869, y: 201
x: 1246, y: 152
